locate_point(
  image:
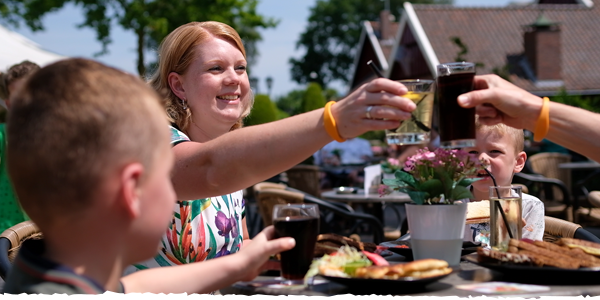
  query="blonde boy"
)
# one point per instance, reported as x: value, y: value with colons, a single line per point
x: 501, y: 147
x: 90, y: 159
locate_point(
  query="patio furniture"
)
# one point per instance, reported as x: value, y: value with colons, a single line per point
x: 305, y: 178
x: 10, y: 242
x: 553, y: 192
x: 556, y: 228
x: 547, y: 164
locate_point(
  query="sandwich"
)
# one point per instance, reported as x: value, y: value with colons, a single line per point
x: 587, y: 247
x: 540, y: 253
x: 478, y: 212
x: 422, y: 268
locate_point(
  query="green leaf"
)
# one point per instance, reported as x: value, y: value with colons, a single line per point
x: 468, y: 181
x: 433, y: 186
x: 391, y: 182
x: 461, y: 192
x: 446, y: 180
x: 418, y: 197
x: 405, y: 177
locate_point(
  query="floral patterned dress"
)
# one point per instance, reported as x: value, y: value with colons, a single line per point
x: 201, y: 229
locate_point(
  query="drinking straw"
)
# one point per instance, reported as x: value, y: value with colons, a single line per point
x: 412, y: 117
x: 498, y: 205
x: 375, y: 69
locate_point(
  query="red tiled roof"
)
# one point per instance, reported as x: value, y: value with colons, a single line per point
x: 493, y: 34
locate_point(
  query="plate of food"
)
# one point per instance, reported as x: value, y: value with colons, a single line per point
x: 369, y: 273
x: 569, y: 261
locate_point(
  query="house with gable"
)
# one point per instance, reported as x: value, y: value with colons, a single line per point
x: 543, y: 47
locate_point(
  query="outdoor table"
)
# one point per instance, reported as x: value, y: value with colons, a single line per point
x: 360, y: 197
x: 466, y: 273
x: 372, y: 203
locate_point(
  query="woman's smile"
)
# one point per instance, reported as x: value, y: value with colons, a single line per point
x: 229, y: 98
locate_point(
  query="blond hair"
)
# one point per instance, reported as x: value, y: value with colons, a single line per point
x: 72, y: 124
x: 177, y: 52
x: 515, y: 134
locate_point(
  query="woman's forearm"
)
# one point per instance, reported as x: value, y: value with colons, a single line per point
x: 576, y: 129
x: 245, y: 156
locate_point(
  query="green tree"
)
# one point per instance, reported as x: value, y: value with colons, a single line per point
x: 281, y: 114
x: 591, y: 103
x: 263, y: 111
x: 331, y: 94
x: 291, y: 102
x: 313, y: 98
x: 10, y: 10
x: 331, y: 38
x: 150, y: 20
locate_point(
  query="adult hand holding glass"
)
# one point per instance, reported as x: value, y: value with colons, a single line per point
x: 387, y: 108
x: 499, y: 101
x: 502, y: 102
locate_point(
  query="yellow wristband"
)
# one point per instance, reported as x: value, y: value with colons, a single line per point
x: 543, y: 122
x: 329, y: 123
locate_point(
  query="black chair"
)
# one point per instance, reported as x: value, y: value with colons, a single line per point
x: 334, y: 218
x: 582, y: 205
x: 553, y: 192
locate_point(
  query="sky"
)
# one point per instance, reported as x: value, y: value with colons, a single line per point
x: 62, y: 36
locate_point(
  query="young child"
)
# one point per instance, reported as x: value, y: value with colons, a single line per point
x: 501, y: 147
x: 90, y: 159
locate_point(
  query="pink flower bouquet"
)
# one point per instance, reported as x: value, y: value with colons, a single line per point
x: 440, y: 176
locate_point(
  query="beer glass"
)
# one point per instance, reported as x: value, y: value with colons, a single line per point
x: 456, y: 124
x: 415, y: 130
x: 300, y: 221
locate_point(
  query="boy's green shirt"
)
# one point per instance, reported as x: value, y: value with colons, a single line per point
x: 11, y: 212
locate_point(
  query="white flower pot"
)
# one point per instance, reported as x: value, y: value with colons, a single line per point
x: 436, y: 231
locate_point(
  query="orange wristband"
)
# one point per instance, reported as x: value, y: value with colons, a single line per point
x: 543, y: 122
x: 329, y: 123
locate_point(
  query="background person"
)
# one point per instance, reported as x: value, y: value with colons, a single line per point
x: 351, y: 153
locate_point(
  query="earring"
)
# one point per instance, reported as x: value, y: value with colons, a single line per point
x: 184, y: 104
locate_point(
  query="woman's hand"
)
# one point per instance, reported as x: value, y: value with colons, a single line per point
x: 389, y: 108
x: 499, y: 101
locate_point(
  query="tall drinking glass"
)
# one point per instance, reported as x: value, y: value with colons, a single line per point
x: 416, y: 129
x: 456, y: 124
x: 506, y: 220
x: 300, y: 221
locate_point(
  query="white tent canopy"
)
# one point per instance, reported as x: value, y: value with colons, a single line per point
x: 15, y: 48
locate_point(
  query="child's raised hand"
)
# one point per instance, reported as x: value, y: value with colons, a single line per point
x: 263, y: 245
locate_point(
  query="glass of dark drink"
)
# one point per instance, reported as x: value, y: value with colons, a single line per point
x: 300, y: 221
x: 456, y: 124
